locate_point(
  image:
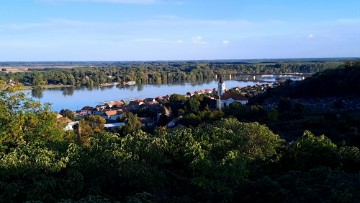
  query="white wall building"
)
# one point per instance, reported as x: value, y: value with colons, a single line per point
x: 228, y: 98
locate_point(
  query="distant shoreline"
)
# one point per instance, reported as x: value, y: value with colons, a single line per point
x: 47, y: 87
x: 77, y: 64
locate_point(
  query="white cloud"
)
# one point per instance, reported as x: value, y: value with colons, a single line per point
x: 198, y: 40
x: 310, y: 36
x: 225, y: 42
x: 179, y: 41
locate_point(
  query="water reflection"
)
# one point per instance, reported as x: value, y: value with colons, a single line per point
x: 140, y: 87
x: 37, y: 93
x: 67, y: 91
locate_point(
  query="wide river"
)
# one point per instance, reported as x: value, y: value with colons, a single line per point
x: 76, y: 98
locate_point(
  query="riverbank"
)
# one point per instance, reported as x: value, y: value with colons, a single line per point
x: 48, y: 87
x: 130, y: 83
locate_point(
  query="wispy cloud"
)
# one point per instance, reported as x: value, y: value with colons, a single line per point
x: 310, y: 36
x: 198, y: 40
x: 225, y: 42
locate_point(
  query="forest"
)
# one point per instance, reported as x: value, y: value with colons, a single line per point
x: 240, y: 154
x: 162, y: 72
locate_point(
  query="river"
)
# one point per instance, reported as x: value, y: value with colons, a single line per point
x: 76, y: 98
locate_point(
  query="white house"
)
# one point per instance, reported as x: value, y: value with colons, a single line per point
x: 112, y: 114
x: 228, y: 98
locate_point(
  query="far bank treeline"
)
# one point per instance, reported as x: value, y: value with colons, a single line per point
x: 159, y: 72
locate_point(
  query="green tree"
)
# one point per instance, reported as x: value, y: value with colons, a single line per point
x: 68, y: 113
x: 310, y: 151
x: 132, y: 124
x: 272, y: 115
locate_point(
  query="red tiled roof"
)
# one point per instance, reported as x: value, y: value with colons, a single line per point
x: 111, y: 113
x: 227, y: 96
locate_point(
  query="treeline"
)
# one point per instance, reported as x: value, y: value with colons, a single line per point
x: 158, y: 72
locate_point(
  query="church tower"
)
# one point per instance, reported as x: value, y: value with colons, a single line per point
x: 221, y: 87
x: 221, y: 90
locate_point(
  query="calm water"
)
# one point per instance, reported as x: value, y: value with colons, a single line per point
x: 75, y: 99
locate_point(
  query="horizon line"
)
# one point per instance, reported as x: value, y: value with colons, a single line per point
x: 250, y: 59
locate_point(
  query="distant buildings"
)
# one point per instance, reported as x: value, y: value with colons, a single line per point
x: 151, y: 109
x: 225, y: 99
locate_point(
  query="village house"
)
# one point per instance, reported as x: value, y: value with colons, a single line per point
x: 86, y: 110
x: 208, y: 91
x: 159, y: 98
x: 112, y: 115
x: 199, y: 92
x: 150, y: 101
x: 190, y: 94
x: 98, y: 111
x: 146, y: 121
x: 135, y: 105
x: 100, y: 106
x: 151, y: 104
x: 228, y: 98
x: 112, y: 104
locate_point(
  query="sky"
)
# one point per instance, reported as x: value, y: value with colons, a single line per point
x: 128, y: 30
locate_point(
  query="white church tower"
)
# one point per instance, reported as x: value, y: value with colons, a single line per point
x: 221, y: 91
x: 221, y: 87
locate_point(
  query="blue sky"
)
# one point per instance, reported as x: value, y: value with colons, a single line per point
x: 112, y: 30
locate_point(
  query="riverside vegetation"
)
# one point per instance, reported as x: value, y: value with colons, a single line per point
x: 161, y: 72
x: 228, y: 156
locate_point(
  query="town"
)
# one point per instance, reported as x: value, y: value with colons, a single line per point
x: 150, y: 110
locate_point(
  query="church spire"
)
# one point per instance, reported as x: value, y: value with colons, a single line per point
x: 221, y: 86
x: 221, y: 90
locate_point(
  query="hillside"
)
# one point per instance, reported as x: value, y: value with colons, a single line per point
x: 342, y: 81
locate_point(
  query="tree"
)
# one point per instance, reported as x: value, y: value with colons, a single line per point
x: 132, y: 124
x: 23, y: 119
x: 193, y: 105
x: 272, y: 115
x: 68, y: 113
x: 310, y: 151
x: 89, y: 127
